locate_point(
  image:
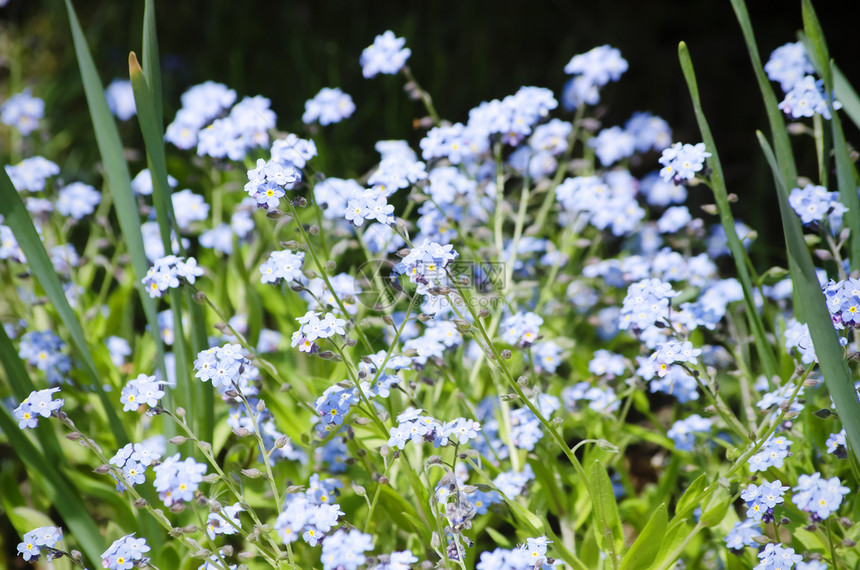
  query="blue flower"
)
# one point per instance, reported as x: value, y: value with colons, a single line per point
x: 22, y: 111
x: 386, y: 55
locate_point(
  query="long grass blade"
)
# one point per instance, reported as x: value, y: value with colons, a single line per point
x: 68, y: 503
x: 18, y: 219
x: 116, y: 174
x: 812, y: 310
x: 721, y: 197
x: 775, y: 118
x: 846, y: 95
x: 193, y: 395
x: 816, y: 48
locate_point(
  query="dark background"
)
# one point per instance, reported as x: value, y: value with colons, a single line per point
x: 462, y: 53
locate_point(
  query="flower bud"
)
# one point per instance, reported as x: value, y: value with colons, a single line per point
x: 252, y: 473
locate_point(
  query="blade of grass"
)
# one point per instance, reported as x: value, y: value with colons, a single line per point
x: 18, y: 220
x: 775, y: 117
x: 68, y: 502
x: 151, y: 59
x: 197, y: 397
x: 846, y: 95
x: 812, y: 310
x: 816, y: 47
x: 117, y: 176
x: 721, y: 198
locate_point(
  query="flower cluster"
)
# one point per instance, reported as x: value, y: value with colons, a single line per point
x: 312, y: 514
x: 682, y: 161
x: 646, y: 303
x: 411, y: 425
x: 772, y: 454
x: 328, y: 106
x: 818, y: 496
x: 141, y: 390
x: 245, y: 127
x: 426, y: 264
x: 22, y: 111
x: 843, y: 302
x: 77, y: 200
x: 761, y: 499
x: 225, y: 521
x: 133, y: 459
x: 683, y: 432
x: 166, y: 272
x: 592, y: 70
x: 386, y: 55
x: 528, y: 556
x: 284, y: 264
x: 176, y: 481
x: 227, y: 368
x: 38, y: 403
x: 314, y: 328
x: 813, y: 203
x: 125, y: 553
x: 777, y: 557
x: 807, y: 98
x: 31, y: 174
x: 345, y: 550
x: 120, y: 99
x: 42, y: 538
x: 788, y: 64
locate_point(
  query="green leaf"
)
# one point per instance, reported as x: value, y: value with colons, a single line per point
x: 117, y: 176
x: 846, y: 95
x: 812, y: 310
x: 499, y: 538
x: 716, y: 506
x: 18, y: 220
x: 816, y: 47
x: 151, y: 59
x: 610, y: 536
x: 644, y: 549
x: 739, y: 254
x: 691, y: 497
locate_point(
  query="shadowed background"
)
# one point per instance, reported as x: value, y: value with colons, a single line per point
x: 462, y: 53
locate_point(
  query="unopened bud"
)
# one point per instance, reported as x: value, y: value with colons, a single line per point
x: 140, y: 503
x: 710, y: 209
x: 177, y: 507
x: 200, y: 297
x: 522, y: 380
x: 175, y: 532
x: 506, y: 354
x: 314, y: 230
x: 403, y: 252
x: 190, y: 529
x: 483, y: 313
x: 214, y: 506
x: 359, y: 490
x: 823, y: 413
x: 388, y: 320
x: 180, y: 412
x: 178, y: 440
x: 252, y: 473
x: 823, y: 254
x: 74, y: 436
x: 261, y: 405
x: 210, y: 478
x: 607, y: 446
x: 242, y: 432
x: 383, y: 480
x: 732, y: 197
x: 102, y: 469
x: 282, y: 441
